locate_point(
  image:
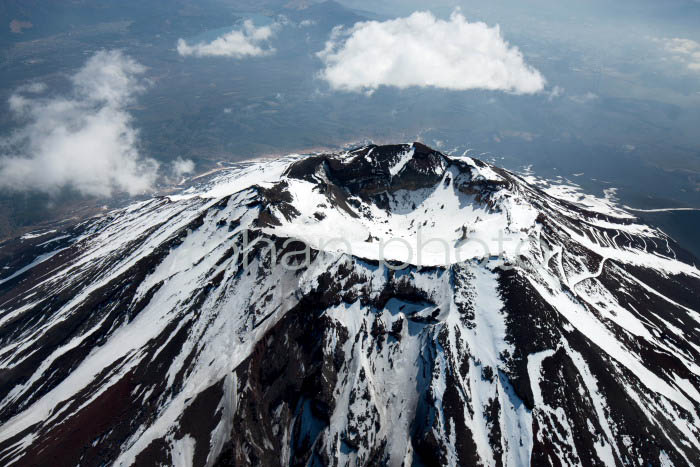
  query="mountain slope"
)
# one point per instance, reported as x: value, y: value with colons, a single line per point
x: 265, y: 317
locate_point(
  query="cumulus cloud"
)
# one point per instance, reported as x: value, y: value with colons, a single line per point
x: 84, y: 140
x: 250, y: 41
x: 684, y: 50
x: 182, y: 167
x: 421, y: 50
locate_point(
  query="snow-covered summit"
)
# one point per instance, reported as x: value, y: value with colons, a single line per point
x: 387, y: 305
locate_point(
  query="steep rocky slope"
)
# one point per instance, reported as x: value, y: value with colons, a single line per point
x: 386, y: 306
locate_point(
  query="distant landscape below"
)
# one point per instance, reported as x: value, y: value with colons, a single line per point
x: 616, y: 113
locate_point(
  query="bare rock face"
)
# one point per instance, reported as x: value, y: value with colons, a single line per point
x: 389, y: 305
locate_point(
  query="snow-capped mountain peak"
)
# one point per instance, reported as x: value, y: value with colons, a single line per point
x: 387, y: 305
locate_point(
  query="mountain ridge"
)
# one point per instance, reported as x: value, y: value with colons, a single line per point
x: 465, y: 314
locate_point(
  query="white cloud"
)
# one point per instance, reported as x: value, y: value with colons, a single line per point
x: 84, y: 140
x: 556, y: 92
x: 681, y: 46
x: 250, y: 41
x: 686, y: 51
x: 421, y: 50
x: 33, y: 88
x: 182, y: 167
x: 524, y: 135
x: 585, y: 98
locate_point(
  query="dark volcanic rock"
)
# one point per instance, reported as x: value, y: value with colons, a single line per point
x: 171, y: 332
